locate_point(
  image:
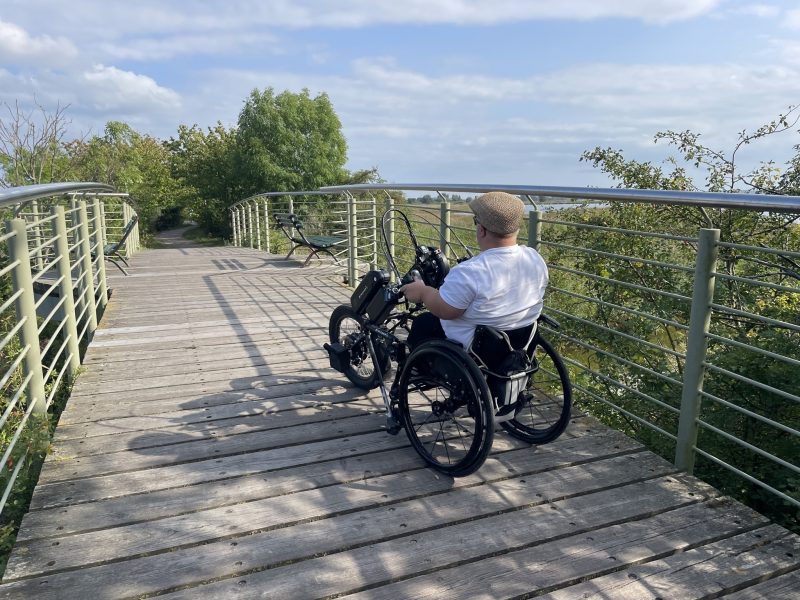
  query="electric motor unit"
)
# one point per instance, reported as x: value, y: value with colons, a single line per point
x: 372, y: 283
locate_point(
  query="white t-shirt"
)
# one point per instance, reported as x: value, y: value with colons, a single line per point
x: 501, y: 287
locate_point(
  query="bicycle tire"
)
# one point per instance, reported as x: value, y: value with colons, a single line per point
x: 347, y: 328
x: 446, y: 409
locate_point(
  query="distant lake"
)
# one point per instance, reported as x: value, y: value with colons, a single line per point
x: 563, y: 205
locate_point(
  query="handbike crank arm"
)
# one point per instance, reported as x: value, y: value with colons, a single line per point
x: 392, y: 424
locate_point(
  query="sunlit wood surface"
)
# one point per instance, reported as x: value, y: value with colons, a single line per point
x: 208, y: 451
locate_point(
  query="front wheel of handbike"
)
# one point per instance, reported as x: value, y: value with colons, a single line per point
x: 544, y: 406
x: 347, y: 328
x: 446, y: 409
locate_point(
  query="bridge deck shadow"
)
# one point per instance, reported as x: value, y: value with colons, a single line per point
x: 208, y: 451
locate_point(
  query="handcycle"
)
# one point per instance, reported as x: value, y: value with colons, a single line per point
x: 447, y: 398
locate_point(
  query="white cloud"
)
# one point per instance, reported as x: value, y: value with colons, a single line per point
x: 762, y: 11
x: 17, y: 46
x: 792, y: 20
x: 164, y: 48
x: 110, y: 20
x: 530, y: 130
x: 115, y: 90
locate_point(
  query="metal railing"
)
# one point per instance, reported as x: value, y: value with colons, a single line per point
x: 350, y: 217
x: 54, y: 289
x: 688, y: 338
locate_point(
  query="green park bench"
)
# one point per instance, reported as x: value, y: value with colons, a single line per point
x: 293, y: 227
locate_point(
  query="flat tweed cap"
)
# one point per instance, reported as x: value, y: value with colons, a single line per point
x: 498, y: 212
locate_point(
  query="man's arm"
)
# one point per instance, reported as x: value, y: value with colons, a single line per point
x: 417, y: 291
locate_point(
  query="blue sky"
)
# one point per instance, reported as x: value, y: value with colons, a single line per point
x: 456, y: 91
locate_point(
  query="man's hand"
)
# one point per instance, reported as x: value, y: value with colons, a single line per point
x: 417, y: 291
x: 414, y: 291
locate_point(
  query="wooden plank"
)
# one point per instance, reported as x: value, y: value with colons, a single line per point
x: 313, y: 360
x: 209, y: 429
x: 213, y: 469
x: 96, y: 426
x: 177, y: 448
x: 317, y: 316
x: 157, y: 504
x: 190, y: 355
x: 413, y: 505
x: 209, y: 313
x: 280, y: 394
x: 211, y: 333
x: 552, y: 529
x: 744, y: 560
x: 540, y: 568
x: 784, y: 587
x: 176, y: 396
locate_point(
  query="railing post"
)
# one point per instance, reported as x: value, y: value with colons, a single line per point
x: 696, y: 346
x: 266, y: 222
x: 390, y: 232
x: 65, y: 288
x: 258, y: 222
x: 136, y: 243
x: 85, y: 256
x: 352, y: 237
x: 26, y: 312
x: 535, y: 229
x: 137, y: 237
x: 103, y: 224
x: 374, y: 221
x: 444, y: 228
x: 126, y: 216
x: 134, y: 236
x: 240, y: 217
x: 97, y: 238
x: 36, y: 230
x: 250, y: 222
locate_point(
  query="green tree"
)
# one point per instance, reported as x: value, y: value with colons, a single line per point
x: 131, y: 162
x: 203, y: 163
x: 721, y: 171
x: 289, y: 142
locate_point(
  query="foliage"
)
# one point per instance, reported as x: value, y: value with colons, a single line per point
x: 169, y: 218
x: 203, y: 164
x: 131, y: 162
x: 289, y: 142
x: 739, y: 293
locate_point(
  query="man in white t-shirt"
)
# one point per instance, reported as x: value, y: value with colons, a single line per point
x: 503, y: 286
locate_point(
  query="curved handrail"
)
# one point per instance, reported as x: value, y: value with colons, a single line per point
x: 759, y: 202
x: 52, y: 260
x: 26, y: 193
x: 277, y: 194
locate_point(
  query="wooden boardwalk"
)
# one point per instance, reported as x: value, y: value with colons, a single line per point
x: 209, y: 451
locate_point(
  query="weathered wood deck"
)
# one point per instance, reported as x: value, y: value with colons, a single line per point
x: 209, y: 452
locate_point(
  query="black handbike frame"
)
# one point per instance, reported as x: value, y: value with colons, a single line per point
x: 379, y: 312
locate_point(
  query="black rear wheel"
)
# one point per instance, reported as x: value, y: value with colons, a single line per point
x: 446, y: 409
x: 544, y: 406
x: 347, y: 328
